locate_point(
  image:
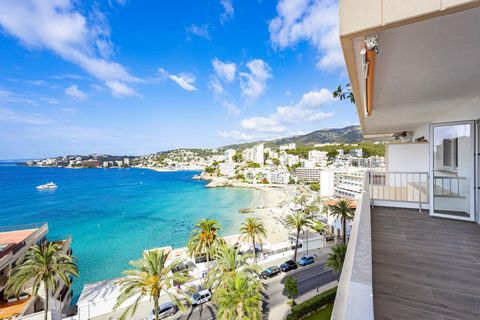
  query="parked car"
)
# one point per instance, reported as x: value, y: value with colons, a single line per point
x: 165, y: 310
x: 270, y: 272
x: 288, y: 265
x: 200, y: 297
x: 306, y: 260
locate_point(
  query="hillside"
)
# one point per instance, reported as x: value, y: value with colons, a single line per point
x: 351, y: 134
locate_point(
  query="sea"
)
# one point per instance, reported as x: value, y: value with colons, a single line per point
x: 114, y: 215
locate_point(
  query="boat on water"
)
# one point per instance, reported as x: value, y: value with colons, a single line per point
x: 47, y: 186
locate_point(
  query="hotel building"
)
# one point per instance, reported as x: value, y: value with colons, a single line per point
x: 413, y: 251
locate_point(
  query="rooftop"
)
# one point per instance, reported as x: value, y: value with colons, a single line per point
x: 14, y: 237
x: 424, y: 267
x: 14, y: 308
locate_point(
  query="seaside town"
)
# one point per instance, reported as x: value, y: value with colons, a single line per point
x: 375, y: 220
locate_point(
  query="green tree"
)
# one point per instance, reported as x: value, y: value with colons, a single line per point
x: 240, y: 298
x: 297, y: 220
x: 337, y: 257
x: 228, y: 263
x: 150, y: 277
x: 319, y: 226
x: 291, y: 286
x: 42, y: 266
x: 315, y: 186
x: 204, y: 239
x: 253, y: 229
x: 343, y: 210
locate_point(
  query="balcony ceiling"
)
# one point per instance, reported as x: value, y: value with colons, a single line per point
x: 424, y: 70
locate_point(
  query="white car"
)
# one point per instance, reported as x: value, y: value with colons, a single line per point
x: 201, y: 297
x: 165, y: 310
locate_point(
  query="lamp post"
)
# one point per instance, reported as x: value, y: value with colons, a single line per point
x: 318, y: 265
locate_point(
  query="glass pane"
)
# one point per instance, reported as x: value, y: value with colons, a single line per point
x: 452, y: 169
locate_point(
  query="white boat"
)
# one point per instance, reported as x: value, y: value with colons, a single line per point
x: 46, y: 186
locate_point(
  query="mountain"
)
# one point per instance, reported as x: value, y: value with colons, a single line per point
x: 351, y: 134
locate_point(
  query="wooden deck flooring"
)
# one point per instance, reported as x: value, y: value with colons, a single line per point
x: 424, y: 267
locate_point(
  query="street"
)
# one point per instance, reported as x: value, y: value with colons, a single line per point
x: 275, y: 297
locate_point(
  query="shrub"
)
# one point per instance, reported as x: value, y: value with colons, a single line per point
x: 315, y: 186
x: 313, y: 304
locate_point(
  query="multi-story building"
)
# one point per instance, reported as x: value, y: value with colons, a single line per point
x: 414, y: 71
x: 308, y: 174
x: 229, y: 154
x: 318, y: 157
x: 357, y: 152
x: 14, y: 244
x: 348, y: 185
x: 288, y: 146
x: 280, y: 176
x: 227, y: 169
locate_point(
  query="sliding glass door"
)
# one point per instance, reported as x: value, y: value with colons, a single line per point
x: 452, y: 170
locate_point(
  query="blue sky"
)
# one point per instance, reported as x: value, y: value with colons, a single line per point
x: 135, y: 77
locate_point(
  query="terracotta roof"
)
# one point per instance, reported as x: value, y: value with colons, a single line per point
x: 15, y: 236
x: 333, y: 202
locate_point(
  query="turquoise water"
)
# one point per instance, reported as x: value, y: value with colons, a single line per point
x: 115, y: 214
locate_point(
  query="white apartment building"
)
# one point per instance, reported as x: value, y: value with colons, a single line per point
x: 357, y: 152
x: 414, y: 68
x: 348, y: 185
x: 227, y: 169
x: 308, y: 174
x: 318, y: 157
x: 327, y: 187
x: 279, y: 176
x: 288, y: 146
x: 254, y: 154
x: 229, y: 153
x: 126, y: 161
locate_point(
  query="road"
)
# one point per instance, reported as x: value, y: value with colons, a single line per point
x: 275, y: 296
x: 275, y: 293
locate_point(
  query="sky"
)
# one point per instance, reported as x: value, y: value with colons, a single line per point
x: 130, y: 77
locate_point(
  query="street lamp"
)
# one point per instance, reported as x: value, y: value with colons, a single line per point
x: 318, y: 271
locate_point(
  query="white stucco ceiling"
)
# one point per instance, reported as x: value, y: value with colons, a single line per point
x: 424, y: 70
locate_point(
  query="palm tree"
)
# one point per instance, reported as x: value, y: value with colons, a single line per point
x: 150, y: 276
x: 344, y: 210
x: 204, y: 238
x: 239, y: 298
x: 336, y: 257
x: 229, y: 263
x: 319, y: 226
x: 253, y: 229
x: 43, y: 265
x: 297, y: 220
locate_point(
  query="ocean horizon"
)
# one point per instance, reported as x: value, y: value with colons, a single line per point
x: 115, y: 214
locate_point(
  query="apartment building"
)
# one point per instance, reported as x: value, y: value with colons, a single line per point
x: 14, y: 243
x: 288, y: 146
x: 308, y: 174
x: 229, y: 154
x: 279, y: 176
x: 414, y: 71
x: 318, y: 157
x: 348, y: 185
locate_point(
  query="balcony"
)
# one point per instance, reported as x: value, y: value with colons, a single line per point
x: 402, y: 263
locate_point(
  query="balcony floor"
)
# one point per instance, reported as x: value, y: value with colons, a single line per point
x: 423, y: 267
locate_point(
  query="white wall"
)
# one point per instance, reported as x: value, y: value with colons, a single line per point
x: 326, y: 183
x: 407, y: 157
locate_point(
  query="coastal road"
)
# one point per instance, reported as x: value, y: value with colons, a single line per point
x: 308, y: 278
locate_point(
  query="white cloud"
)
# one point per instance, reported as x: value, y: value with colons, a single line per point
x: 184, y: 80
x: 10, y: 116
x: 58, y: 26
x: 306, y: 110
x: 76, y: 93
x: 121, y: 90
x: 228, y: 10
x: 224, y: 70
x: 231, y: 107
x: 315, y: 21
x: 254, y: 83
x: 216, y: 87
x: 235, y: 135
x: 199, y: 31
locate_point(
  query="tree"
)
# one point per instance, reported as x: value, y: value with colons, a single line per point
x: 343, y: 95
x: 315, y: 186
x: 297, y: 220
x: 343, y: 210
x: 204, y: 238
x: 319, y: 227
x: 150, y: 277
x: 292, y: 288
x: 239, y: 298
x: 43, y: 265
x: 337, y: 257
x: 253, y: 229
x: 228, y: 263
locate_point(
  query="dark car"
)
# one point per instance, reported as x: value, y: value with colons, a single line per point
x: 306, y: 260
x: 288, y: 265
x: 270, y: 272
